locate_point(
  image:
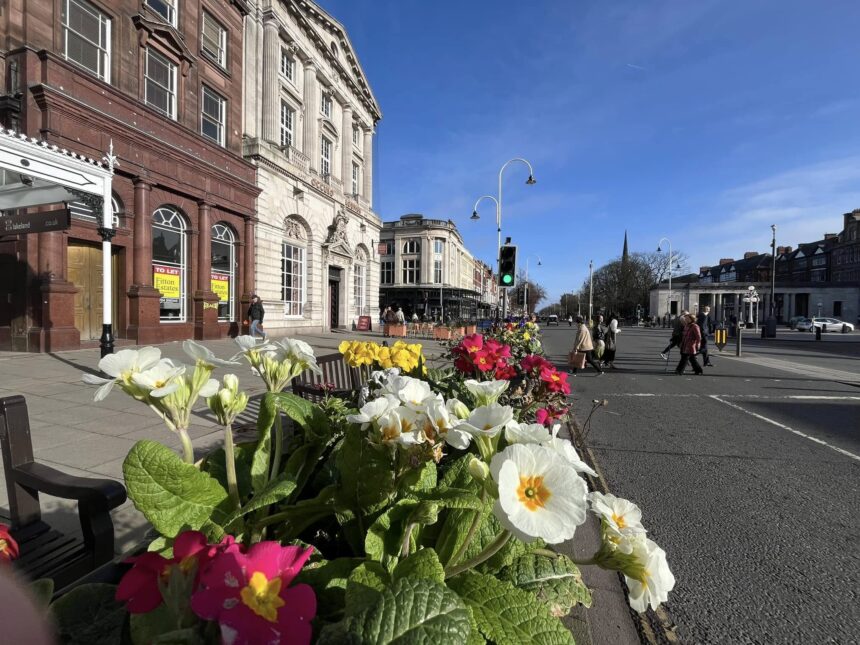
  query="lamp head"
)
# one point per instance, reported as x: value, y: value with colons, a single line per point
x: 475, y: 216
x: 540, y: 263
x: 659, y: 250
x: 531, y: 181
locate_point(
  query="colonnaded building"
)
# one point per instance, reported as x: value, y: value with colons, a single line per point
x: 309, y: 129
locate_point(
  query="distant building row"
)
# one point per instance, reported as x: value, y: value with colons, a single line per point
x: 815, y: 278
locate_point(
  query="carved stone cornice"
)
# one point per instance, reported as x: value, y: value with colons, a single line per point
x: 167, y: 36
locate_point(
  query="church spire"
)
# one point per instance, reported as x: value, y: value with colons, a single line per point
x: 624, y: 254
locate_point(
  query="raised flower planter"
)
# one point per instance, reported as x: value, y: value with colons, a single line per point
x: 471, y: 329
x: 441, y: 333
x: 395, y: 330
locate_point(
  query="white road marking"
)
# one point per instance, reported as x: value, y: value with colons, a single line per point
x: 766, y: 397
x: 841, y: 451
x: 810, y: 371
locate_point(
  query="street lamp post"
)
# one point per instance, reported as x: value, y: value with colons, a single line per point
x: 527, y: 283
x: 590, y: 290
x: 669, y: 267
x: 773, y: 275
x: 530, y: 182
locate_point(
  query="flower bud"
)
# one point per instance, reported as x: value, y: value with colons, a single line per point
x: 478, y: 469
x: 226, y: 398
x: 458, y: 408
x: 231, y: 382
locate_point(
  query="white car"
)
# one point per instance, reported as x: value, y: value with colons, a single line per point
x: 825, y: 324
x: 552, y: 320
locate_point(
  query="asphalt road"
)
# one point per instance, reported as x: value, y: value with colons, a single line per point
x: 748, y: 476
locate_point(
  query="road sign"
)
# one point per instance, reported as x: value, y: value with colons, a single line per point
x: 41, y: 222
x: 720, y: 337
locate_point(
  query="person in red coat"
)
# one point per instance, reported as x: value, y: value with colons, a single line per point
x: 691, y: 340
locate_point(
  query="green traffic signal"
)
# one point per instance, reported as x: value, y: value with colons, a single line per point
x: 507, y: 279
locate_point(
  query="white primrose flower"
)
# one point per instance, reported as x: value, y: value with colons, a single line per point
x: 371, y: 411
x: 457, y: 408
x: 564, y: 448
x: 380, y: 377
x: 210, y: 388
x: 540, y: 495
x: 247, y: 344
x: 488, y: 420
x: 299, y: 352
x: 440, y: 423
x: 526, y: 433
x: 202, y: 353
x: 415, y: 394
x: 160, y: 379
x: 486, y: 392
x: 120, y: 367
x: 619, y: 513
x: 653, y: 580
x: 393, y: 430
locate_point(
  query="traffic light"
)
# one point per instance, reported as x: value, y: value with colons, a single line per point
x: 508, y: 266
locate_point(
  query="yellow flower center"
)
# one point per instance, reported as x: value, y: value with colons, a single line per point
x: 262, y: 596
x: 406, y: 426
x: 532, y: 493
x: 4, y: 546
x: 389, y: 433
x: 619, y: 520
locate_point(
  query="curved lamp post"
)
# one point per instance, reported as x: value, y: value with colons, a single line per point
x: 530, y: 182
x: 669, y: 266
x: 527, y: 282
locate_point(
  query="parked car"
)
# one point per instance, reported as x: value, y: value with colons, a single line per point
x: 825, y: 324
x: 792, y: 322
x: 552, y: 320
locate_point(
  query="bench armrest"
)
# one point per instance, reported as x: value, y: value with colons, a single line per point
x: 59, y: 484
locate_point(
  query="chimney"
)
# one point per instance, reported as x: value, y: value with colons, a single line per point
x: 704, y: 269
x: 780, y: 250
x: 830, y: 236
x: 750, y: 254
x: 726, y: 261
x: 788, y: 249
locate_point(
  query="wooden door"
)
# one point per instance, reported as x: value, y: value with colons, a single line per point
x: 85, y: 272
x: 334, y: 302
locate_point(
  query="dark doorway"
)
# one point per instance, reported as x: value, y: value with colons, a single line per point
x: 334, y: 297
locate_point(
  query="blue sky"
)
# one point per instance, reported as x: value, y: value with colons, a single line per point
x: 705, y: 121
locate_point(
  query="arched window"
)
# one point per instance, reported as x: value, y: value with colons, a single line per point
x: 169, y: 259
x: 224, y: 270
x: 294, y: 268
x: 84, y: 211
x: 412, y: 246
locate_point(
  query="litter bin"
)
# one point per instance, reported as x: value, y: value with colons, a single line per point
x: 818, y: 333
x: 770, y: 327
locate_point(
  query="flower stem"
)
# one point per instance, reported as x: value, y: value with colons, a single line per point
x: 491, y: 549
x: 187, y: 446
x: 230, y: 463
x: 278, y: 448
x: 479, y: 515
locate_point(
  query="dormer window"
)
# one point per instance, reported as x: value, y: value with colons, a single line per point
x: 164, y: 8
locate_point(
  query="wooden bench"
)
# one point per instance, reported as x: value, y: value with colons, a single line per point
x: 343, y: 379
x: 44, y: 551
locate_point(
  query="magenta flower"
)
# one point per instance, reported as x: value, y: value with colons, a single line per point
x: 248, y: 594
x: 8, y: 545
x: 139, y: 588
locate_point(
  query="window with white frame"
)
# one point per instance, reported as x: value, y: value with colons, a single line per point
x: 412, y: 246
x: 86, y: 37
x: 288, y: 66
x: 386, y: 275
x: 293, y: 279
x: 288, y: 120
x: 224, y: 270
x: 213, y: 40
x: 169, y: 258
x: 437, y: 271
x: 212, y: 116
x: 438, y: 246
x: 325, y: 157
x: 411, y: 271
x: 358, y: 288
x: 326, y: 104
x: 160, y: 83
x: 356, y: 136
x: 164, y: 8
x: 356, y: 176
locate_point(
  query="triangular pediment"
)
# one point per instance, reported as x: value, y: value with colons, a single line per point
x: 339, y: 248
x: 167, y: 36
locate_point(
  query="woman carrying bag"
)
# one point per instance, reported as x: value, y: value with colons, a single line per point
x: 610, y: 339
x: 583, y: 349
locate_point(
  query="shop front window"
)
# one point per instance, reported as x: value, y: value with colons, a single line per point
x: 169, y: 260
x: 224, y: 270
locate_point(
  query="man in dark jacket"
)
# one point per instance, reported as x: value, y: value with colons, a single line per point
x: 707, y: 326
x: 255, y: 315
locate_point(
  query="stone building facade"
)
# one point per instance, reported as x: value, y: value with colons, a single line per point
x: 160, y: 80
x: 424, y: 264
x: 309, y: 127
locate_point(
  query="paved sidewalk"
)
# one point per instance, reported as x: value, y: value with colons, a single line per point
x: 72, y: 433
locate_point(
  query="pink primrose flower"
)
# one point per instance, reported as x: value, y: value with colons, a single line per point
x: 248, y: 594
x: 533, y: 362
x: 473, y: 343
x: 8, y: 545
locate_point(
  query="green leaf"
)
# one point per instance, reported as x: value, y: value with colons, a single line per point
x: 364, y: 587
x: 475, y: 636
x: 42, y: 590
x: 421, y: 564
x: 298, y: 409
x: 298, y: 516
x: 458, y: 476
x: 507, y: 615
x: 187, y: 636
x: 410, y: 612
x: 145, y: 628
x: 329, y: 580
x: 556, y: 582
x: 421, y: 479
x: 263, y: 452
x: 384, y: 538
x: 271, y: 494
x: 302, y: 462
x: 366, y: 473
x: 452, y: 498
x: 89, y: 614
x: 171, y: 494
x: 214, y: 464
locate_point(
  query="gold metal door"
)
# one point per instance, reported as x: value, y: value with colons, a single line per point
x: 85, y: 271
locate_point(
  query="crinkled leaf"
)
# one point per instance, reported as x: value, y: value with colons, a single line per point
x: 302, y: 462
x: 427, y: 512
x: 458, y: 476
x: 365, y: 586
x: 366, y: 473
x: 145, y: 628
x: 410, y: 612
x: 214, y: 465
x: 329, y: 579
x: 451, y: 498
x: 298, y: 409
x: 421, y: 564
x: 475, y: 635
x: 89, y: 614
x: 271, y: 494
x: 170, y: 493
x: 507, y: 615
x: 384, y: 538
x: 557, y: 582
x: 260, y: 463
x: 299, y: 516
x: 42, y: 590
x: 420, y: 479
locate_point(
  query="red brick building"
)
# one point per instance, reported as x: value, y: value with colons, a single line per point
x: 162, y: 81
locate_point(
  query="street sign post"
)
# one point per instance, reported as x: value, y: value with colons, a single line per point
x: 41, y: 222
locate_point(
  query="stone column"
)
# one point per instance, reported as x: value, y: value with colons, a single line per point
x: 249, y: 80
x: 248, y: 279
x: 144, y: 325
x: 310, y: 144
x: 271, y: 84
x: 368, y: 167
x: 346, y: 149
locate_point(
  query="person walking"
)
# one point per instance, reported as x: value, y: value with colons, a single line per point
x: 585, y: 345
x: 609, y: 339
x: 399, y: 317
x: 677, y: 335
x: 570, y: 321
x: 706, y: 325
x: 690, y: 342
x: 255, y: 315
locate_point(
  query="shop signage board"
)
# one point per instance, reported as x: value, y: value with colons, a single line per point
x: 41, y: 222
x: 221, y: 286
x: 363, y: 323
x: 168, y: 281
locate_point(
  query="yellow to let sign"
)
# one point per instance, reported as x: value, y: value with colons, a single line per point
x: 221, y: 286
x: 168, y: 280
